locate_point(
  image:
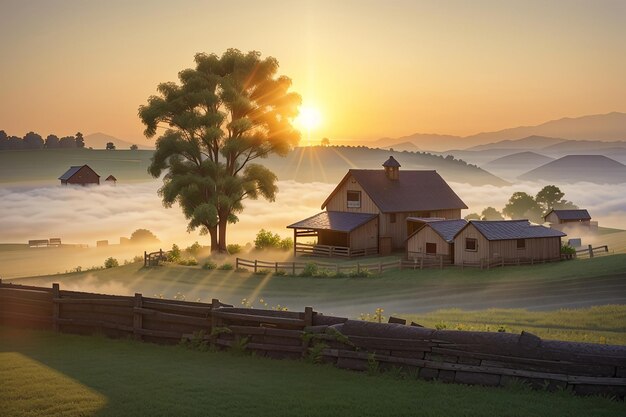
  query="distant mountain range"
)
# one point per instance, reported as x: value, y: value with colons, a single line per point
x: 511, y: 166
x: 601, y: 127
x: 597, y: 169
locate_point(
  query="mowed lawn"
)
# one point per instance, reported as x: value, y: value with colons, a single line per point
x: 45, y: 374
x: 571, y: 284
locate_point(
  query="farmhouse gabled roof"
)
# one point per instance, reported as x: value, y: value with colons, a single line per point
x: 73, y: 170
x: 391, y: 163
x: 447, y: 229
x: 412, y: 191
x: 111, y: 178
x: 334, y: 220
x: 511, y: 229
x: 580, y: 214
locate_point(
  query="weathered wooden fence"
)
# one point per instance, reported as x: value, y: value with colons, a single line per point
x: 591, y: 251
x: 452, y: 356
x: 294, y: 267
x: 154, y: 258
x: 328, y: 251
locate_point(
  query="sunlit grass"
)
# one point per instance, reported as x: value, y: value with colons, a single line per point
x: 141, y: 379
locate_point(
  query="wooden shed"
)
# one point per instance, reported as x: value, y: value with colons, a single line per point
x: 111, y: 180
x: 486, y: 240
x: 434, y: 239
x: 578, y: 220
x: 337, y: 234
x: 80, y: 175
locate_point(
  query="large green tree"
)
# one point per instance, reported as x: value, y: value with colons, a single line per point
x: 523, y: 206
x: 225, y: 113
x: 551, y: 197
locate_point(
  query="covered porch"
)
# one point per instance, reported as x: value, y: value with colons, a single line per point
x: 337, y: 234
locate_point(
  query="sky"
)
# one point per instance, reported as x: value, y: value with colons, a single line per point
x: 372, y: 68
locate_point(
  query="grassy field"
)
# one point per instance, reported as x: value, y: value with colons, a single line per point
x: 48, y: 374
x: 573, y: 284
x: 600, y: 324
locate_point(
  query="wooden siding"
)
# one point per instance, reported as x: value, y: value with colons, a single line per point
x: 417, y: 242
x: 339, y: 202
x: 537, y: 249
x: 83, y: 176
x: 365, y: 236
x: 552, y: 218
x: 482, y: 246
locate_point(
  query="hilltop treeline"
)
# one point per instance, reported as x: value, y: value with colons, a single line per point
x: 33, y: 140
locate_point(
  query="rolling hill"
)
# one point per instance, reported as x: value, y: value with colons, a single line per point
x: 527, y: 143
x: 511, y: 166
x: 597, y: 169
x: 99, y: 141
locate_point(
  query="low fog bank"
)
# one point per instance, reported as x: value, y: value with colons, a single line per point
x: 86, y: 214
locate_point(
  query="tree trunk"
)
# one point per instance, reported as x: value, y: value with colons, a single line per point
x: 222, y: 232
x: 214, y: 243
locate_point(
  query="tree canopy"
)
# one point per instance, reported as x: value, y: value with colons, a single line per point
x: 225, y: 113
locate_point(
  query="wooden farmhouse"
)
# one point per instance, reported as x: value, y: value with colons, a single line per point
x: 433, y: 239
x: 570, y: 219
x: 366, y: 213
x: 80, y: 175
x: 481, y: 241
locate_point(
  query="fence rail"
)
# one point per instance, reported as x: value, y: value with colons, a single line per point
x: 451, y: 356
x: 295, y: 267
x: 333, y: 251
x: 591, y: 251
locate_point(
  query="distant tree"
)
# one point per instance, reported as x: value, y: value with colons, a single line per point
x: 134, y: 147
x: 143, y: 236
x: 4, y: 141
x: 225, y: 113
x: 523, y: 206
x: 33, y: 140
x: 67, y: 142
x: 564, y: 205
x: 472, y: 216
x: 80, y: 140
x: 52, y: 142
x: 325, y: 142
x: 491, y: 213
x: 551, y: 197
x: 110, y: 146
x: 15, y: 142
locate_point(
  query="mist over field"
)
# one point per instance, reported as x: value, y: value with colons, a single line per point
x: 87, y: 214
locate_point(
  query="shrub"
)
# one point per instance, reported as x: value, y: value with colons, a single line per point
x: 226, y: 267
x: 361, y: 273
x: 138, y: 258
x: 188, y: 262
x: 263, y: 272
x: 280, y: 273
x: 209, y: 265
x: 174, y: 254
x: 194, y: 249
x: 111, y: 263
x: 241, y: 269
x: 268, y: 240
x: 233, y: 248
x: 568, y: 250
x: 286, y: 244
x: 310, y: 270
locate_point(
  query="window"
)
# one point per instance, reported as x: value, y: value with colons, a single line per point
x: 521, y: 243
x: 431, y: 248
x: 354, y: 199
x: 471, y: 244
x: 392, y: 217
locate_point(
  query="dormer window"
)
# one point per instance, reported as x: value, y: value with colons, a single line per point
x: 354, y: 199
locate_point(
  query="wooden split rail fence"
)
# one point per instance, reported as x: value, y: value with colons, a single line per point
x: 451, y: 356
x: 293, y: 267
x: 590, y: 251
x: 333, y: 251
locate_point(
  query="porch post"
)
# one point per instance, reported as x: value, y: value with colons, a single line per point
x: 295, y: 241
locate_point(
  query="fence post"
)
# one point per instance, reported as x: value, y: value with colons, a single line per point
x: 255, y: 266
x: 56, y: 308
x: 237, y: 263
x: 137, y: 317
x: 330, y: 252
x: 145, y: 258
x: 276, y: 267
x: 590, y: 251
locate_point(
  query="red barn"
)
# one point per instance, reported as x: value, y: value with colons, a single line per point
x: 80, y: 175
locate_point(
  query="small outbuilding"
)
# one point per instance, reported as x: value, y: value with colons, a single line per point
x: 80, y: 175
x: 111, y: 180
x: 570, y: 219
x: 487, y: 240
x: 434, y: 239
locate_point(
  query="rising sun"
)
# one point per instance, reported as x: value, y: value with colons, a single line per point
x: 309, y: 117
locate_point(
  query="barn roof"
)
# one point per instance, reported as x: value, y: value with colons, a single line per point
x: 580, y: 214
x: 111, y: 178
x: 391, y: 163
x: 334, y: 220
x: 447, y: 229
x: 412, y: 191
x: 512, y: 229
x: 73, y: 170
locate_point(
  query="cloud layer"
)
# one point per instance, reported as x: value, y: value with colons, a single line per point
x: 87, y: 214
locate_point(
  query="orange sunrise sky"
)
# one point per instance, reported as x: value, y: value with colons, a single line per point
x: 372, y: 68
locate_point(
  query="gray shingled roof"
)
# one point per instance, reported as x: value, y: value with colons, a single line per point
x: 581, y: 214
x: 413, y: 191
x: 68, y: 174
x: 334, y: 220
x: 447, y: 229
x: 513, y: 229
x: 391, y: 162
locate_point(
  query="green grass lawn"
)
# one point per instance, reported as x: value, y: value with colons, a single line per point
x: 46, y: 374
x: 600, y: 324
